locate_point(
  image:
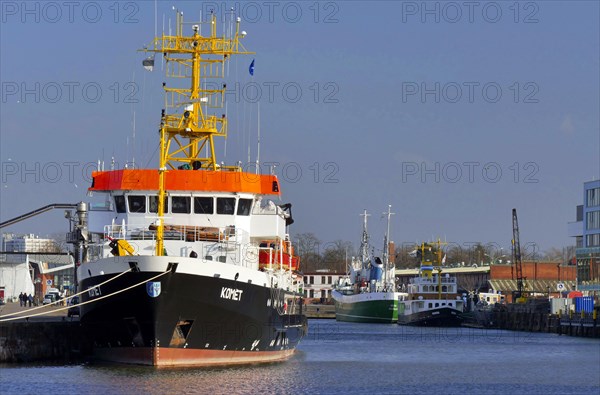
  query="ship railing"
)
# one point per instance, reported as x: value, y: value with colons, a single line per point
x: 433, y: 280
x: 228, y: 235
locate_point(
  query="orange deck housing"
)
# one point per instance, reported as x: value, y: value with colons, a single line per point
x: 185, y: 180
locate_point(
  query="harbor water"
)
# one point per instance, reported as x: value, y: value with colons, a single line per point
x: 347, y: 358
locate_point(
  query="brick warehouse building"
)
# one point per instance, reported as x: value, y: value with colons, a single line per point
x: 541, y: 277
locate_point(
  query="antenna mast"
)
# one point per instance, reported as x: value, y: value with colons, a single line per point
x: 186, y: 127
x: 386, y: 252
x: 364, y: 243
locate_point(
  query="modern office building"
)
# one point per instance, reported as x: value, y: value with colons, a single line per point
x: 586, y: 230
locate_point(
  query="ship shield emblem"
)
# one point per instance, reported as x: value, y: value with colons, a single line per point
x: 153, y: 288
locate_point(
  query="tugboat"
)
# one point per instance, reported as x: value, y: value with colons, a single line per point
x: 189, y: 264
x: 369, y: 293
x: 432, y: 299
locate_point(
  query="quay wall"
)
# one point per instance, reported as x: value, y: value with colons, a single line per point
x: 56, y: 340
x: 536, y: 317
x: 319, y: 311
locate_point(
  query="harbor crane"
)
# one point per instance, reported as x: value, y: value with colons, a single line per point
x: 516, y: 250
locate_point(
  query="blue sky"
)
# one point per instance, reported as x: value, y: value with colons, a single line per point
x: 452, y: 115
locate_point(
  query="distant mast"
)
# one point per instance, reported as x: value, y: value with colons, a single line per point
x: 186, y: 129
x: 386, y: 250
x: 364, y: 242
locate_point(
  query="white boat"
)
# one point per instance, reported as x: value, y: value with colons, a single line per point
x: 433, y: 298
x: 369, y: 293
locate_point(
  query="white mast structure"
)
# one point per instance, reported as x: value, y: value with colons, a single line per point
x: 364, y: 243
x: 386, y: 253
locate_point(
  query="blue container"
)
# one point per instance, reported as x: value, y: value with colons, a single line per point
x: 584, y: 303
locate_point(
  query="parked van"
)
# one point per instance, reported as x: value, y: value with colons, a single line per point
x: 49, y: 298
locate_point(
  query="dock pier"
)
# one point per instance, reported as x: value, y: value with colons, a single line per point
x: 52, y: 337
x: 534, y: 316
x: 320, y: 311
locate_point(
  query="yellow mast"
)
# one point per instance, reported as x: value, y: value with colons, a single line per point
x: 186, y: 127
x: 435, y: 263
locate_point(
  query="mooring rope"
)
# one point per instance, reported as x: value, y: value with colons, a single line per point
x: 89, y: 301
x: 58, y: 301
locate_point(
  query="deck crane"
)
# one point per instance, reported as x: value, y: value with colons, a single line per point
x: 516, y: 250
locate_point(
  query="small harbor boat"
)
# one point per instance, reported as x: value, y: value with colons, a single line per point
x: 369, y: 293
x: 432, y: 298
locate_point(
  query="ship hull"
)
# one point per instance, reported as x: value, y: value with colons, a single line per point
x: 187, y: 318
x: 445, y: 317
x: 172, y: 357
x: 376, y: 307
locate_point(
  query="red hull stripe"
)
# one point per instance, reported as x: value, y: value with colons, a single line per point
x: 185, y: 180
x: 166, y: 357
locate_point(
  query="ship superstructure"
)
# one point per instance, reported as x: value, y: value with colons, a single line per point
x: 190, y: 263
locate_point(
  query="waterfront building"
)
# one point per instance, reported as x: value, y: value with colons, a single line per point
x: 319, y: 284
x: 32, y: 264
x: 586, y: 230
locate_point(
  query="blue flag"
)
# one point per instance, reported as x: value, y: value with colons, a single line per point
x: 251, y: 68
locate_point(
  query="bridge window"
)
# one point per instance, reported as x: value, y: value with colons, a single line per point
x: 181, y: 205
x: 137, y: 203
x: 225, y: 206
x: 204, y: 205
x: 244, y: 206
x: 153, y: 204
x: 120, y: 204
